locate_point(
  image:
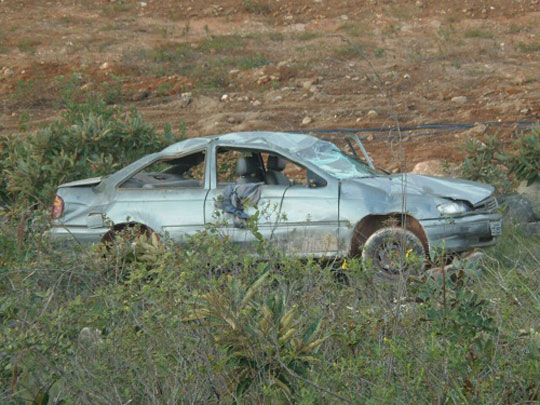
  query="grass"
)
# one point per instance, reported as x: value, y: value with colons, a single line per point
x: 207, y: 64
x: 479, y: 33
x: 307, y: 36
x: 354, y: 50
x: 529, y: 47
x: 28, y: 45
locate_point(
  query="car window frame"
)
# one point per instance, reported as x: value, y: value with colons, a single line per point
x: 214, y: 177
x: 206, y: 182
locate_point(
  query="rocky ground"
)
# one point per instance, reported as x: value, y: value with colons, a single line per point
x: 237, y: 65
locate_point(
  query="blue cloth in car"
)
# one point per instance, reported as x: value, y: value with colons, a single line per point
x: 236, y: 197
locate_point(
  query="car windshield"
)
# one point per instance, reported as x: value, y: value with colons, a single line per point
x: 335, y: 162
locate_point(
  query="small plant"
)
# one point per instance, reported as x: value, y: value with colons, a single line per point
x: 28, y: 45
x: 478, y: 33
x: 526, y: 164
x: 486, y: 162
x: 530, y: 47
x: 262, y: 337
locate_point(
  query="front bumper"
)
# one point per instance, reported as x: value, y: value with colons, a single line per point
x: 80, y: 234
x: 458, y: 234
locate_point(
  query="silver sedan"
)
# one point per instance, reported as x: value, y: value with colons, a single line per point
x: 313, y: 199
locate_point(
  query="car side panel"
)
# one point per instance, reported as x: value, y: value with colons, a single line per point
x: 176, y: 212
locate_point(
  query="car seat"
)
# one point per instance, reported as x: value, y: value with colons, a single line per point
x: 248, y: 170
x: 275, y: 166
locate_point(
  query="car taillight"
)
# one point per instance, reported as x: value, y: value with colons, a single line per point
x: 57, y: 208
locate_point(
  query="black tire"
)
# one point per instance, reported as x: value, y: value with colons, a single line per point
x: 383, y: 251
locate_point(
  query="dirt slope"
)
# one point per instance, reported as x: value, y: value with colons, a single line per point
x: 238, y: 65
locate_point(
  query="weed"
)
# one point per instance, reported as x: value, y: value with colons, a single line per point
x: 307, y: 36
x: 28, y: 45
x: 530, y: 47
x: 353, y: 50
x: 256, y: 6
x: 479, y: 33
x: 379, y: 52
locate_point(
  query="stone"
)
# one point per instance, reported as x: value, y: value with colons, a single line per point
x: 434, y: 167
x: 517, y: 208
x: 104, y: 66
x: 234, y: 73
x: 233, y: 120
x: 532, y: 193
x: 186, y: 98
x: 6, y: 71
x: 307, y: 121
x: 224, y: 97
x: 256, y: 103
x: 372, y: 114
x: 459, y: 99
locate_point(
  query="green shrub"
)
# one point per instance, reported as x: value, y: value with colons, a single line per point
x: 526, y: 164
x: 488, y: 161
x: 92, y: 139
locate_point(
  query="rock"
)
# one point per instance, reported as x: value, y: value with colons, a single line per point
x: 86, y: 86
x: 433, y: 167
x: 140, y: 95
x: 532, y: 194
x: 477, y: 130
x: 419, y: 4
x: 256, y: 103
x: 224, y: 97
x: 407, y: 76
x: 233, y: 120
x: 517, y: 208
x: 307, y: 121
x: 277, y: 98
x: 372, y: 114
x: 89, y: 336
x: 234, y: 73
x: 307, y: 84
x: 370, y: 138
x: 104, y: 66
x: 186, y: 98
x: 459, y: 99
x: 6, y: 71
x: 143, y: 4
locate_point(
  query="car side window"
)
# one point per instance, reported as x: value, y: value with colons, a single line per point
x: 251, y: 166
x: 184, y: 172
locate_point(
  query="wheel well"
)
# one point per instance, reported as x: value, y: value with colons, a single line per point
x: 108, y: 237
x: 372, y: 223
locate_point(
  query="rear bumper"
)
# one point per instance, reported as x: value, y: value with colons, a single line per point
x: 462, y: 233
x: 80, y: 234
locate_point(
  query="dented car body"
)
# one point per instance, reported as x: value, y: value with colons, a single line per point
x: 315, y: 200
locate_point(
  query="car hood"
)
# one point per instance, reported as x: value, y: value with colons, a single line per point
x: 455, y: 189
x: 81, y: 183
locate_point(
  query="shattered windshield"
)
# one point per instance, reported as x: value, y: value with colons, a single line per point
x: 335, y: 162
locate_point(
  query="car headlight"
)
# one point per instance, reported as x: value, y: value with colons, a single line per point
x: 454, y: 208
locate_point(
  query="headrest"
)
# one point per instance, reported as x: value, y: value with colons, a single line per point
x: 246, y: 166
x: 276, y: 163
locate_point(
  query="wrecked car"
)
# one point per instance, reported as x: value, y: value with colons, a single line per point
x: 313, y: 199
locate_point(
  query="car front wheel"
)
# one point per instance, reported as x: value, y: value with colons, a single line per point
x: 394, y: 252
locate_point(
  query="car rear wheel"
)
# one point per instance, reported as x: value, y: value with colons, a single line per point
x: 394, y: 252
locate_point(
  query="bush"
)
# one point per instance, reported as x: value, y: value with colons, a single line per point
x: 487, y: 160
x: 207, y: 323
x: 92, y: 139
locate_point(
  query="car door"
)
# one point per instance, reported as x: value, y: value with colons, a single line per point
x: 310, y: 219
x: 168, y: 196
x: 266, y: 211
x: 299, y: 217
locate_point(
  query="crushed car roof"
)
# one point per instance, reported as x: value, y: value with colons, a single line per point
x: 256, y: 139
